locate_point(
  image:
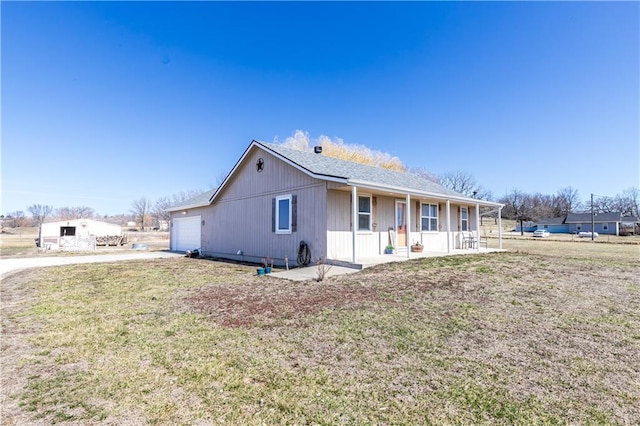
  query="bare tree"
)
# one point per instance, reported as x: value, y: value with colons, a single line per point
x: 628, y: 203
x: 566, y: 201
x: 184, y: 196
x: 16, y: 219
x: 541, y: 206
x: 141, y: 209
x: 459, y: 181
x: 517, y: 206
x: 39, y: 213
x: 464, y: 183
x: 604, y: 204
x: 81, y: 212
x: 424, y: 174
x: 161, y: 207
x: 84, y: 212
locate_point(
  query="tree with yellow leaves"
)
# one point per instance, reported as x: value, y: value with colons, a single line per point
x: 336, y: 148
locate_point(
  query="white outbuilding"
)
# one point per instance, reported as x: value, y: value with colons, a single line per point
x: 76, y: 234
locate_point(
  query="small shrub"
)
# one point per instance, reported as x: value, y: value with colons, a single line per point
x: 322, y: 268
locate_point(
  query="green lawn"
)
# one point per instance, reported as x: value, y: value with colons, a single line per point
x: 509, y: 338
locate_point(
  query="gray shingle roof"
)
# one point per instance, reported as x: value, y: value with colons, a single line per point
x: 332, y: 167
x: 599, y: 217
x: 198, y: 201
x: 551, y: 221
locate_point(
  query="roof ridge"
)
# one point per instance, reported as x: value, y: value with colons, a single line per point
x: 349, y: 166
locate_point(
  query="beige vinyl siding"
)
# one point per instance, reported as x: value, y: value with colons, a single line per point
x: 242, y: 215
x: 339, y: 211
x: 276, y: 177
x: 339, y: 236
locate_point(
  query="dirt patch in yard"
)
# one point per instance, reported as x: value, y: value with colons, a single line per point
x: 272, y: 300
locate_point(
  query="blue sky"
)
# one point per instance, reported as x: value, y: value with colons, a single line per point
x: 103, y: 103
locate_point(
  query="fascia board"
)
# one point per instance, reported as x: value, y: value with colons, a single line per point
x: 258, y: 145
x: 370, y: 185
x: 187, y: 207
x: 301, y: 168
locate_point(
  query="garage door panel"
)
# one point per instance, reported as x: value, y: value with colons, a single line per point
x: 187, y: 233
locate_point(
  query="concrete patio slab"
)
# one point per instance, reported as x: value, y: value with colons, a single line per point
x: 311, y: 272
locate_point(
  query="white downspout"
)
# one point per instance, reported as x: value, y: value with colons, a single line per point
x: 477, y: 227
x: 354, y: 221
x: 408, y: 222
x: 448, y: 226
x: 500, y: 228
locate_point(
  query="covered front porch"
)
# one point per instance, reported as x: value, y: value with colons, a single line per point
x: 441, y: 224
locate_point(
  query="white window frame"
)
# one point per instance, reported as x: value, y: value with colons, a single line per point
x: 288, y: 229
x: 369, y: 213
x: 463, y: 220
x: 429, y: 217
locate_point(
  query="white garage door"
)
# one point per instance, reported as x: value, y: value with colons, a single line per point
x: 186, y: 233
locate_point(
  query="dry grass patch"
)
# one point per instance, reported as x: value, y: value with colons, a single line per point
x: 574, y: 249
x: 20, y: 243
x: 502, y: 338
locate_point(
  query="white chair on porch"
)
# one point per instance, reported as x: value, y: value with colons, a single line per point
x: 469, y: 240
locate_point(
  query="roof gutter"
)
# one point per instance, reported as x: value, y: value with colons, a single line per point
x: 364, y: 184
x: 277, y: 155
x: 187, y: 207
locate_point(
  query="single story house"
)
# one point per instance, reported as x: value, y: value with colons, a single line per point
x: 612, y: 223
x: 75, y: 233
x: 555, y: 225
x: 604, y: 223
x: 528, y: 226
x: 275, y: 197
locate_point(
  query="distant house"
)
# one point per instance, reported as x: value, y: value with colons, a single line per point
x: 528, y: 226
x: 75, y: 234
x: 605, y: 223
x: 555, y: 225
x: 612, y: 223
x: 276, y: 197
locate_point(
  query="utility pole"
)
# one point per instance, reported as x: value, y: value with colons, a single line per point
x: 593, y: 220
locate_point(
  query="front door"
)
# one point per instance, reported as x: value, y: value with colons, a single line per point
x: 401, y: 223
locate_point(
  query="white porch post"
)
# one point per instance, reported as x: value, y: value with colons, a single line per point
x: 408, y: 222
x: 500, y: 228
x: 448, y: 226
x: 354, y: 220
x: 478, y: 227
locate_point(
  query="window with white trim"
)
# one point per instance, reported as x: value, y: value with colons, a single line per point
x: 283, y: 214
x: 464, y: 218
x: 364, y: 213
x: 429, y: 217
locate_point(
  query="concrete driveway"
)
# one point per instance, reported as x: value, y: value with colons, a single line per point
x: 9, y: 266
